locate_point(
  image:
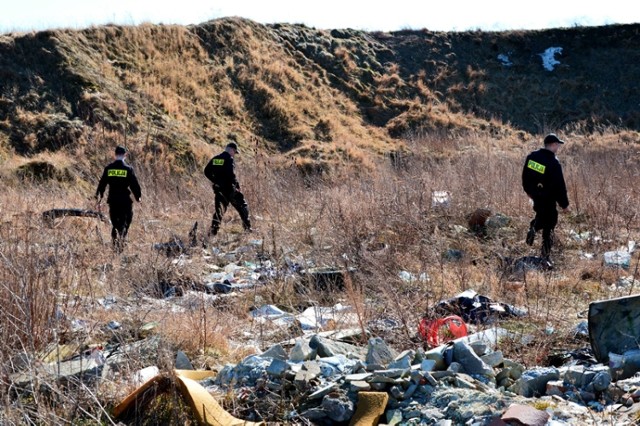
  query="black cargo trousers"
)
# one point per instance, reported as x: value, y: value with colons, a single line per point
x: 121, y: 215
x: 223, y: 197
x: 546, y: 219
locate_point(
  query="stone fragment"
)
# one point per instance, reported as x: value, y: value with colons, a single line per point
x: 324, y: 390
x: 493, y: 359
x: 378, y: 352
x: 393, y: 417
x: 357, y: 377
x: 183, y: 362
x: 437, y: 355
x: 275, y: 352
x: 277, y: 368
x: 312, y: 368
x: 601, y: 381
x: 471, y: 362
x: 525, y: 415
x: 302, y: 379
x: 327, y: 348
x: 515, y: 369
x: 556, y: 387
x: 301, y: 351
x: 403, y: 360
x: 359, y: 386
x: 428, y: 365
x: 534, y: 382
x: 338, y: 408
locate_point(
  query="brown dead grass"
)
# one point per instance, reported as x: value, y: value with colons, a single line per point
x: 381, y: 223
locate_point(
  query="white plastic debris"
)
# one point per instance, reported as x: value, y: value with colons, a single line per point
x: 580, y: 236
x: 410, y: 277
x: 269, y: 312
x: 440, y: 198
x: 504, y: 59
x: 618, y: 258
x: 548, y: 58
x: 142, y: 376
x: 274, y: 314
x: 317, y: 317
x: 587, y: 256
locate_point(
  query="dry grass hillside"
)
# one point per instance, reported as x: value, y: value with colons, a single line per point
x: 314, y: 98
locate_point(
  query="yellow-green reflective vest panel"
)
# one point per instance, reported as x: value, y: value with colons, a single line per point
x: 117, y: 173
x: 536, y: 166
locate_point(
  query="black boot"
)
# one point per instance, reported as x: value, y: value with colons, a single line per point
x: 531, y: 235
x: 244, y: 215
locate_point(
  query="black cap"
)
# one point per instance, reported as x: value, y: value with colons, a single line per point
x: 552, y: 138
x: 121, y: 150
x: 233, y: 145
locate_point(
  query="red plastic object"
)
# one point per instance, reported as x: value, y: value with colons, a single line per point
x: 442, y: 330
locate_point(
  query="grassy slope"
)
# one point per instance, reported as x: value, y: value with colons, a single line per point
x: 319, y: 98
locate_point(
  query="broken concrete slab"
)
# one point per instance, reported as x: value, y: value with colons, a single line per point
x: 614, y: 326
x: 327, y: 347
x: 534, y: 381
x: 525, y: 415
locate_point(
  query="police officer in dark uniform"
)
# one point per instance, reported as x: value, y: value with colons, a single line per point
x: 122, y: 182
x: 220, y: 171
x: 543, y: 181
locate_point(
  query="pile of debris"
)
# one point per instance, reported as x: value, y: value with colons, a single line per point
x: 466, y: 381
x: 337, y: 377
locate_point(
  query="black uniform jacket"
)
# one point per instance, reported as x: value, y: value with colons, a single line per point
x: 220, y: 171
x: 120, y: 178
x: 542, y: 179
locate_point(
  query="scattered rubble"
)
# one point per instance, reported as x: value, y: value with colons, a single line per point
x: 460, y: 382
x: 326, y: 376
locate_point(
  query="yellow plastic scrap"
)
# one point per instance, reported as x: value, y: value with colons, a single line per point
x: 205, y: 407
x: 371, y: 406
x: 196, y: 374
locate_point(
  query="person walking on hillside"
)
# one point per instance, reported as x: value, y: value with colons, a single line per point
x: 543, y: 181
x: 220, y: 171
x: 122, y: 182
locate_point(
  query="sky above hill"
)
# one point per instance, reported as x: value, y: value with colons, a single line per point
x: 435, y: 15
